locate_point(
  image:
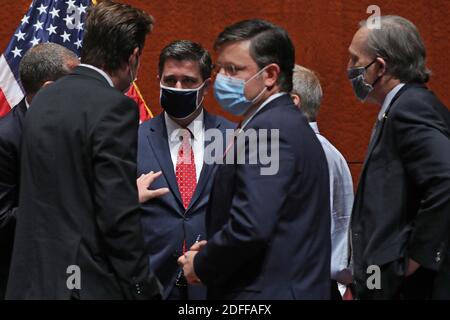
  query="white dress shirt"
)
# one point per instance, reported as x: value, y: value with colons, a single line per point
x: 341, y: 202
x: 197, y: 140
x: 103, y: 73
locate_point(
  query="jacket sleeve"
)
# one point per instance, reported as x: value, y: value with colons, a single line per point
x: 423, y: 140
x: 9, y: 184
x: 116, y: 198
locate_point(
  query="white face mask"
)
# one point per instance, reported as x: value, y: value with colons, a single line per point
x: 132, y: 77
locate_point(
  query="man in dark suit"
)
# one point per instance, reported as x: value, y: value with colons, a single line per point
x: 401, y: 214
x: 175, y: 221
x: 78, y: 233
x: 40, y: 66
x: 268, y: 220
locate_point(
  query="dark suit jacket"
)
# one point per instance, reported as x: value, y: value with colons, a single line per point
x: 269, y: 235
x: 402, y: 206
x: 165, y: 221
x: 78, y: 198
x: 10, y: 137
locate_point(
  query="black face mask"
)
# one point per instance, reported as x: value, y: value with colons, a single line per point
x: 180, y: 103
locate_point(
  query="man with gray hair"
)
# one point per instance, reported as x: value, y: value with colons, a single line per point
x: 40, y: 66
x: 401, y: 215
x: 307, y: 95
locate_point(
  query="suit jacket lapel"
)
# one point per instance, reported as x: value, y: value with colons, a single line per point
x: 157, y: 137
x: 379, y: 129
x: 210, y: 123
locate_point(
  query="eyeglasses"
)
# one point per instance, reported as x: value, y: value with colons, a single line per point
x: 229, y: 69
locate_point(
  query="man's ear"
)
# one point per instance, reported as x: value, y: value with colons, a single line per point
x: 297, y: 100
x: 132, y: 61
x: 47, y: 83
x: 134, y: 57
x: 272, y: 74
x: 382, y: 68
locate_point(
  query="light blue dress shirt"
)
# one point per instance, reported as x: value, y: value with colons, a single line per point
x: 341, y: 202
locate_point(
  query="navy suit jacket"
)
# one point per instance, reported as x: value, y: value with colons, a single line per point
x: 164, y: 220
x: 10, y: 138
x: 269, y: 235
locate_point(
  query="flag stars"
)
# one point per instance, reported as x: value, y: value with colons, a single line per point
x: 38, y: 25
x: 70, y: 3
x: 80, y: 26
x: 35, y: 41
x: 42, y: 9
x: 54, y: 13
x: 51, y: 30
x: 65, y: 36
x: 79, y: 44
x: 20, y: 35
x: 25, y: 19
x: 82, y: 9
x: 68, y: 21
x: 17, y: 52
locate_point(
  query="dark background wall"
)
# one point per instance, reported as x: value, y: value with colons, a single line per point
x: 321, y: 31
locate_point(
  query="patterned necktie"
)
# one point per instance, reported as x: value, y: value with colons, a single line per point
x: 185, y: 169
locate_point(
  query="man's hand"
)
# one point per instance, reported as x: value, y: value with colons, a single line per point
x: 186, y: 261
x: 144, y: 182
x: 198, y: 245
x: 412, y: 267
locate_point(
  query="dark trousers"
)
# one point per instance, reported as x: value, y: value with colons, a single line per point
x: 395, y: 286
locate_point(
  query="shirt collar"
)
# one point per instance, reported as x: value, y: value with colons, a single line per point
x: 27, y: 104
x: 195, y: 127
x: 269, y: 99
x: 103, y: 73
x: 315, y: 127
x: 387, y: 101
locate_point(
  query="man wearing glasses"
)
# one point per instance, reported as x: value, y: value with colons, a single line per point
x: 268, y: 234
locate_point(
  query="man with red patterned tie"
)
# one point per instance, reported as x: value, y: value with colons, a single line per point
x: 174, y: 143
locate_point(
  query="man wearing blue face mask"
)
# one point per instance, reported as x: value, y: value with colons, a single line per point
x: 401, y: 213
x: 268, y: 234
x: 174, y: 142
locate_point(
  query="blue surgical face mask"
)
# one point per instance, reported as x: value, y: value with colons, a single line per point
x: 180, y: 103
x: 229, y: 92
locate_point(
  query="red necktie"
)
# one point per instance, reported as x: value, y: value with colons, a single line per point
x: 185, y: 170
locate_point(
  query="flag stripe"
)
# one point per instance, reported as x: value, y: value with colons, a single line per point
x: 11, y: 90
x: 4, y: 106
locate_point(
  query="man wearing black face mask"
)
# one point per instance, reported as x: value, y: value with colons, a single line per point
x: 401, y: 214
x: 174, y: 142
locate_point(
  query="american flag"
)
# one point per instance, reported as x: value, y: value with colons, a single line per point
x: 58, y: 21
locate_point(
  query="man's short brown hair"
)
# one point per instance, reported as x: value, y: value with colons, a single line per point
x: 113, y: 31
